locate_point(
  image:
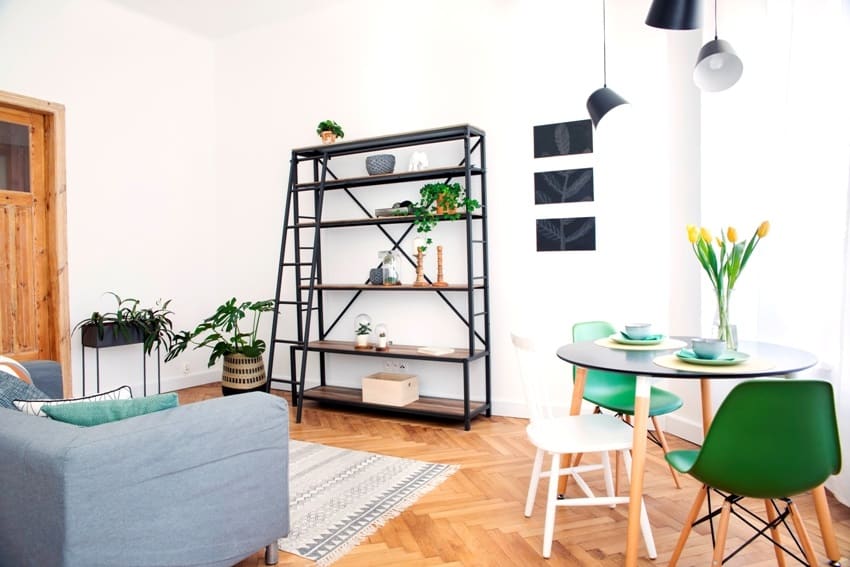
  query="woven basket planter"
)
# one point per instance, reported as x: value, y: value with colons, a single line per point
x: 380, y: 164
x: 242, y: 374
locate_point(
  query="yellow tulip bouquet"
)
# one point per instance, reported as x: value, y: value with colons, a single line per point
x: 724, y: 263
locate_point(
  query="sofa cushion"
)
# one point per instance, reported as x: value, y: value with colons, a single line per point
x: 13, y: 388
x: 96, y: 413
x: 35, y: 406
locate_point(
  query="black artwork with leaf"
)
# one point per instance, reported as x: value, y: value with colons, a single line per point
x: 565, y: 186
x: 555, y: 235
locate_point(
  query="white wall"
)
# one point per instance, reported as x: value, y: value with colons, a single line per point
x: 142, y: 211
x: 381, y: 68
x: 195, y: 137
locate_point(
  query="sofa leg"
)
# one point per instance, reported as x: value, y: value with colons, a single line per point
x: 271, y: 554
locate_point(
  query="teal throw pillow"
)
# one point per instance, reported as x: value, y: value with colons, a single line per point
x: 96, y: 413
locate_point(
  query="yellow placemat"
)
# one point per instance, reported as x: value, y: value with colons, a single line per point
x: 752, y: 364
x: 666, y: 344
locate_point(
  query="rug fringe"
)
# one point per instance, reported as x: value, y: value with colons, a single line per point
x: 394, y: 512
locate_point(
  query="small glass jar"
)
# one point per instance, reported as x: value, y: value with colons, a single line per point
x: 389, y: 267
x: 382, y: 334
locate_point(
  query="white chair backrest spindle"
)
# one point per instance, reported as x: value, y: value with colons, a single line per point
x: 532, y: 373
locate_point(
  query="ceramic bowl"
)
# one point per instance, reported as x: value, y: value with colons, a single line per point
x: 708, y: 348
x: 638, y: 330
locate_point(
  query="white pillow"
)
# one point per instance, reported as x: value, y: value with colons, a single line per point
x: 33, y: 407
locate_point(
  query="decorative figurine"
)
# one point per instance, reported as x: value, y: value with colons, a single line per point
x: 419, y: 245
x: 418, y: 161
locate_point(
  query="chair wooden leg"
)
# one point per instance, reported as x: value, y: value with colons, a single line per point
x: 802, y: 534
x: 533, y: 482
x: 551, y: 500
x: 606, y: 472
x: 722, y: 530
x: 689, y: 522
x: 774, y: 532
x: 666, y: 448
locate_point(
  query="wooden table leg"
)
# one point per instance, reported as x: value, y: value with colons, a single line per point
x: 705, y: 404
x: 642, y: 388
x: 575, y: 409
x: 827, y: 532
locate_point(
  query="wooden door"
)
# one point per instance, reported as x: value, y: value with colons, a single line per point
x: 34, y: 322
x: 25, y: 288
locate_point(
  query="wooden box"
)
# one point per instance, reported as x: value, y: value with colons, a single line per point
x: 389, y: 389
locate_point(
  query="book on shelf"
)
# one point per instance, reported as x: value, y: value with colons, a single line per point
x: 436, y: 351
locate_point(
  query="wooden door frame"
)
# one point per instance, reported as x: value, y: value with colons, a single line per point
x: 57, y: 242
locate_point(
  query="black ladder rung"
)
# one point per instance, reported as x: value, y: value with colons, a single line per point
x: 306, y: 217
x: 479, y: 277
x: 288, y: 302
x: 305, y: 247
x: 478, y: 241
x: 287, y: 341
x: 479, y: 313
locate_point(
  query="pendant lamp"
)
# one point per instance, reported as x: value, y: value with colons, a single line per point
x: 718, y: 67
x: 601, y: 101
x: 675, y: 14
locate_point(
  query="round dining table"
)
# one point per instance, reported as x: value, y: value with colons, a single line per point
x: 651, y: 362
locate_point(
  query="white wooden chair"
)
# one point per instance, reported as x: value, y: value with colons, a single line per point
x: 570, y: 435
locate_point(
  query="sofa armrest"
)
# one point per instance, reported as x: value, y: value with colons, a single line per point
x: 200, y: 484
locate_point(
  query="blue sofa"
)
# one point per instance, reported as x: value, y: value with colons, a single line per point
x: 202, y: 484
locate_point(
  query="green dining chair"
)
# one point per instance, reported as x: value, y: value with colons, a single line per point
x: 770, y: 440
x: 615, y: 392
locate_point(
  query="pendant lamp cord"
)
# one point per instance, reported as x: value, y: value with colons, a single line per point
x: 715, y: 20
x: 605, y: 49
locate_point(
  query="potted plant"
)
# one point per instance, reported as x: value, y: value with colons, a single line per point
x: 129, y: 324
x: 242, y: 350
x: 329, y: 131
x: 440, y: 201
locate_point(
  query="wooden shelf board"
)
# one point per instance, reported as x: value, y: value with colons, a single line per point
x: 395, y: 351
x: 403, y: 287
x: 445, y: 407
x: 384, y: 178
x: 400, y: 219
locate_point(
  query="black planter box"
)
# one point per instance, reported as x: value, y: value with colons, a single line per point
x: 112, y: 336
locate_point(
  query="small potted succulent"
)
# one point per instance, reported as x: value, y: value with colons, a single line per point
x: 329, y: 131
x: 363, y: 328
x: 440, y: 201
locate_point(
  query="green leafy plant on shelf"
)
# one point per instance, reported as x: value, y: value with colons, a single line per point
x: 363, y: 329
x: 152, y: 324
x: 222, y: 333
x: 440, y: 201
x: 330, y: 126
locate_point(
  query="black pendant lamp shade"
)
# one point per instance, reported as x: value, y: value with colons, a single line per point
x: 675, y: 14
x: 718, y: 67
x: 601, y: 101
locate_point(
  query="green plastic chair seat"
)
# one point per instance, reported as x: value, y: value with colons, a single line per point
x: 769, y: 439
x: 615, y: 391
x: 682, y: 460
x: 621, y: 398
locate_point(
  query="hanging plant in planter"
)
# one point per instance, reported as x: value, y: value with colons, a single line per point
x: 129, y: 324
x: 440, y: 201
x: 241, y: 349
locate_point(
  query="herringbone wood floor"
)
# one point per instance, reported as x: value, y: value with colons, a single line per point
x: 476, y: 516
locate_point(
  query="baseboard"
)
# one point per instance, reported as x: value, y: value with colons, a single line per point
x: 686, y: 429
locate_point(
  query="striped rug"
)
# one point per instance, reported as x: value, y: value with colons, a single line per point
x: 338, y: 497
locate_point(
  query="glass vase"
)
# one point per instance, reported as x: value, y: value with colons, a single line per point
x: 725, y: 330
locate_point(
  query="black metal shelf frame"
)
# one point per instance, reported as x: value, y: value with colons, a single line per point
x: 306, y: 294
